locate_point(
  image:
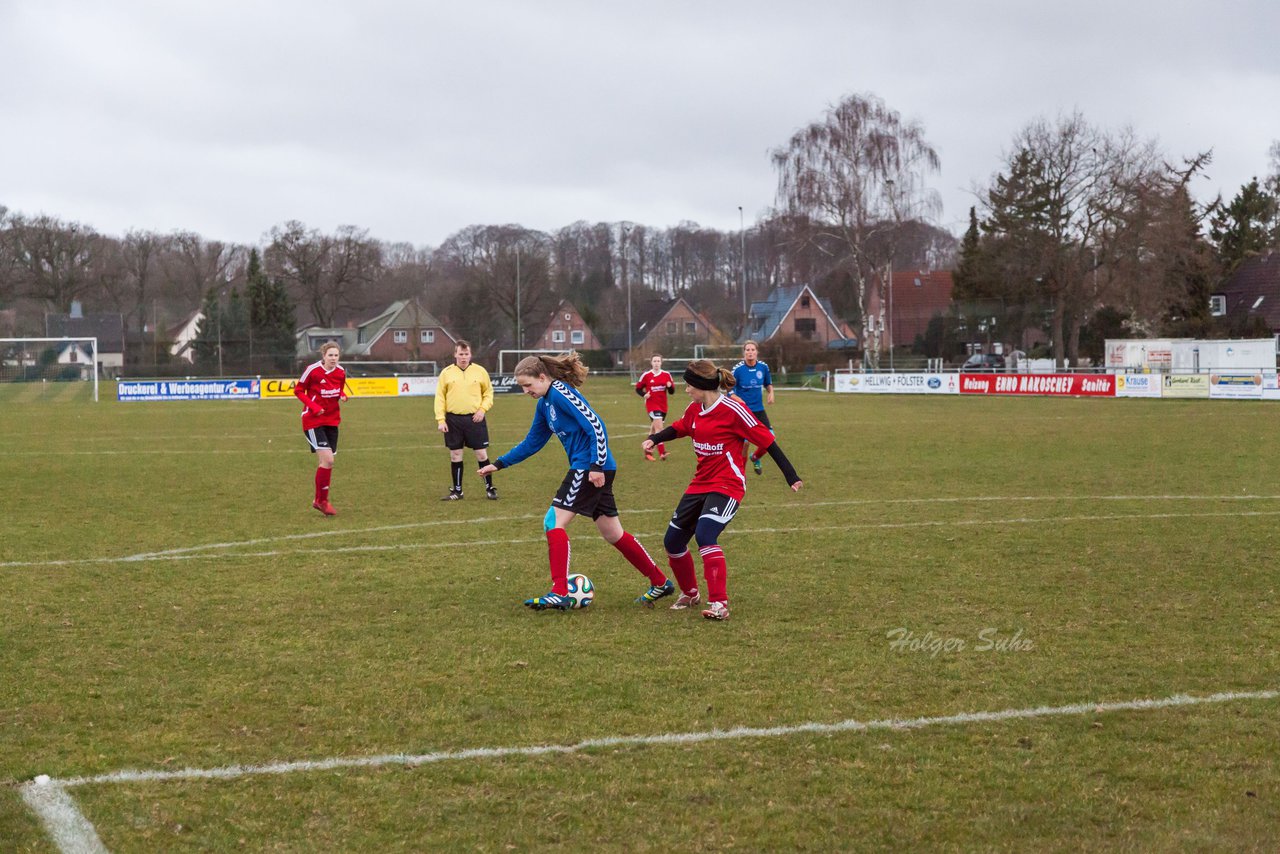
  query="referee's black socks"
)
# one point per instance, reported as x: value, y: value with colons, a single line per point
x: 457, y: 475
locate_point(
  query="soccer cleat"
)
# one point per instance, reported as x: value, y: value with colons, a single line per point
x: 324, y: 507
x: 663, y: 458
x: 758, y: 467
x: 716, y: 611
x: 491, y: 493
x: 453, y: 495
x: 648, y: 455
x: 553, y: 601
x: 686, y: 600
x: 656, y: 592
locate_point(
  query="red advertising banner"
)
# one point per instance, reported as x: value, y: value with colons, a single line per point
x: 1061, y: 385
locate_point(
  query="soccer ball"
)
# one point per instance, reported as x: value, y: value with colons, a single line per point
x: 581, y: 590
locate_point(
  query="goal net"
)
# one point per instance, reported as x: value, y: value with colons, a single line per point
x: 45, y: 360
x: 363, y: 368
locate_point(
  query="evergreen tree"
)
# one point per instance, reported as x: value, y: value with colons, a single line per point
x: 235, y: 334
x: 1246, y: 226
x: 965, y: 278
x: 271, y: 320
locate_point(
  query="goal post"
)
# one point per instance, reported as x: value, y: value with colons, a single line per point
x: 50, y: 360
x: 725, y: 355
x: 514, y: 356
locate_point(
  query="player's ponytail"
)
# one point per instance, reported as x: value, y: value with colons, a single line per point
x: 567, y: 368
x: 703, y: 374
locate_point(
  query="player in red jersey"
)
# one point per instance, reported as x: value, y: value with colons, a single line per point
x: 718, y: 424
x: 654, y: 386
x: 321, y: 390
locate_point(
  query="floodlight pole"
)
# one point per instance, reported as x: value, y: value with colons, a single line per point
x: 892, y: 242
x: 742, y: 266
x: 622, y: 251
x: 519, y: 317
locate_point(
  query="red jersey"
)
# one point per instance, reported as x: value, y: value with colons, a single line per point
x: 717, y: 433
x: 655, y: 388
x: 322, y: 389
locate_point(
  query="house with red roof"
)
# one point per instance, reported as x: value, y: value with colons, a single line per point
x: 566, y: 330
x: 914, y: 298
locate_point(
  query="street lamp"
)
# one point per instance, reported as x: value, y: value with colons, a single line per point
x: 892, y: 242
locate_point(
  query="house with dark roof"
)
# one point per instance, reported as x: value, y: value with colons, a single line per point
x: 796, y: 312
x: 669, y: 327
x: 402, y: 332
x: 566, y: 330
x: 107, y: 327
x: 1252, y: 291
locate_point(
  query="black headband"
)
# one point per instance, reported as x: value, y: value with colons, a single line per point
x: 704, y: 383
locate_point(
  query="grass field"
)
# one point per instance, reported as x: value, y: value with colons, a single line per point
x: 170, y: 603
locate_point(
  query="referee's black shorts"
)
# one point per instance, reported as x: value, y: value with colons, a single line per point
x: 465, y: 433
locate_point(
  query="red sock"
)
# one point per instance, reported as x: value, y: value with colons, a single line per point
x: 686, y: 573
x: 558, y: 552
x: 716, y: 571
x: 662, y: 449
x: 639, y: 558
x: 323, y: 476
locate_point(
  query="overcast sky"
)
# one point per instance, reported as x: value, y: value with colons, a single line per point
x: 414, y: 119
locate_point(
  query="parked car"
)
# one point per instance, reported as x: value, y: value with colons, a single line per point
x: 983, y: 363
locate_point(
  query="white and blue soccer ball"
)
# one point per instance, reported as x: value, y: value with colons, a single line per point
x: 581, y: 590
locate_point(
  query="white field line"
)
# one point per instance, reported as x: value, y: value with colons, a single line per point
x: 221, y: 550
x: 62, y: 819
x: 231, y: 772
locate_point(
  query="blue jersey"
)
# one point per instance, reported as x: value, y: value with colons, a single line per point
x: 748, y: 383
x: 566, y: 413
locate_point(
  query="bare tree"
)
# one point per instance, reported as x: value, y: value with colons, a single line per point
x: 141, y: 251
x: 483, y: 262
x: 196, y: 266
x: 846, y: 182
x: 50, y: 260
x: 1061, y: 207
x: 326, y: 273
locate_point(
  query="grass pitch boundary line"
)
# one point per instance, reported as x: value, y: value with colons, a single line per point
x: 65, y: 825
x: 208, y: 552
x: 72, y: 832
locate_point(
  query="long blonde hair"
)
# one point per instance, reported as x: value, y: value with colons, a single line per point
x: 707, y: 369
x: 567, y: 368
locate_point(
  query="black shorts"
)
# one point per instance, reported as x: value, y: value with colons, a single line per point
x: 714, y: 508
x: 658, y: 416
x: 323, y: 438
x: 465, y: 433
x: 578, y: 495
x: 763, y: 418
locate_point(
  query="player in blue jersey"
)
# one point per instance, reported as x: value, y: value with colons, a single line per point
x: 587, y: 490
x: 751, y: 376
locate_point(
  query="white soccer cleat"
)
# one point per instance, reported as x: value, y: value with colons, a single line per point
x: 716, y: 611
x: 686, y: 600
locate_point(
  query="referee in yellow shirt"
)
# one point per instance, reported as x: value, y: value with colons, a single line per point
x: 463, y: 395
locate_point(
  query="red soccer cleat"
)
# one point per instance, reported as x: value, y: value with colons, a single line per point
x: 324, y: 507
